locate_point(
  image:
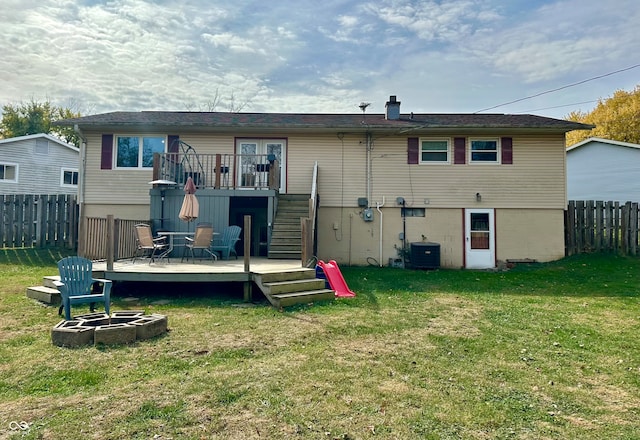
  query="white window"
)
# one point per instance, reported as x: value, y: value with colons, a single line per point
x: 9, y: 172
x: 484, y: 150
x: 434, y: 150
x: 69, y: 177
x: 137, y: 151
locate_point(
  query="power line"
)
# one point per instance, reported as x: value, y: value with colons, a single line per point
x: 559, y: 88
x: 556, y: 106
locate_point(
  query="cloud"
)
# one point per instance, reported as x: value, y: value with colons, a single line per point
x: 305, y: 55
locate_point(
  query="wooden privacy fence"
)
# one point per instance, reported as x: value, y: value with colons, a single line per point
x: 38, y: 220
x: 98, y: 236
x: 596, y: 226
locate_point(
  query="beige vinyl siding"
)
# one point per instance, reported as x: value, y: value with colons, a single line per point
x: 535, y: 180
x: 533, y: 233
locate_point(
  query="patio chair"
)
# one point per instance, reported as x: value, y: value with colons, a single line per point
x: 200, y: 241
x: 77, y: 285
x: 147, y: 245
x: 226, y: 243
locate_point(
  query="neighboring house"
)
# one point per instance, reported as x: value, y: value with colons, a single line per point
x: 602, y: 169
x: 38, y: 164
x: 485, y: 187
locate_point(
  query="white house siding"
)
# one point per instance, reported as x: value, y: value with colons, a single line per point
x: 38, y: 173
x: 603, y: 171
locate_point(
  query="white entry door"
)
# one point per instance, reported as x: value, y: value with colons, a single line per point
x: 480, y: 243
x: 251, y: 169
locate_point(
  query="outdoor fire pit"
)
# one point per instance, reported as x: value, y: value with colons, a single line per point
x: 123, y: 327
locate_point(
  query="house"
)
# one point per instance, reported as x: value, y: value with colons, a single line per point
x: 38, y: 164
x: 459, y: 190
x: 603, y: 169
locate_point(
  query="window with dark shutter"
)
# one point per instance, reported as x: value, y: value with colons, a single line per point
x: 459, y: 150
x: 106, y: 155
x: 506, y: 144
x: 412, y: 150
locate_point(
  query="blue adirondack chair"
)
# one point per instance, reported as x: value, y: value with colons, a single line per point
x: 225, y: 244
x: 77, y: 285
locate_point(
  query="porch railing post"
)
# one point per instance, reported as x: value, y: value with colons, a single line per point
x: 218, y: 171
x: 110, y: 236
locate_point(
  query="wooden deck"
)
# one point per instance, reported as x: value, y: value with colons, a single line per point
x: 202, y: 271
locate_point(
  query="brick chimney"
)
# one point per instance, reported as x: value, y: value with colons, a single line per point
x: 392, y: 109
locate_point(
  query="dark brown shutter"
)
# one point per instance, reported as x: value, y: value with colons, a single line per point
x: 174, y: 143
x: 106, y: 155
x: 459, y: 150
x: 413, y: 150
x: 506, y: 145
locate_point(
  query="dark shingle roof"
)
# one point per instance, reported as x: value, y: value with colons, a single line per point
x: 294, y: 121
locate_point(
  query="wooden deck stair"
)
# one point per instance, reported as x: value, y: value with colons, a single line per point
x: 47, y: 293
x: 298, y: 286
x: 286, y: 233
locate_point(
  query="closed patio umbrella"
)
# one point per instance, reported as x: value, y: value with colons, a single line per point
x: 190, y: 207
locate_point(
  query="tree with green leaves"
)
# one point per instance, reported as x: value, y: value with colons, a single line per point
x: 37, y: 117
x: 616, y: 118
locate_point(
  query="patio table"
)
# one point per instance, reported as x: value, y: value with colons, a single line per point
x: 172, y: 235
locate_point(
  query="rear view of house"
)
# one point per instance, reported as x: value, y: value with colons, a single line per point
x: 470, y: 188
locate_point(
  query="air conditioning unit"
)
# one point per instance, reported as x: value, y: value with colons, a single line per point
x: 425, y: 255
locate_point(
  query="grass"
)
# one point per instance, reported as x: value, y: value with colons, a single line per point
x: 543, y: 351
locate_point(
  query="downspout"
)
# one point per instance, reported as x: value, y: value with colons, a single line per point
x: 81, y: 186
x: 368, y: 170
x: 378, y: 206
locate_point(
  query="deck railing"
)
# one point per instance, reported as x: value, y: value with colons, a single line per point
x: 219, y: 171
x: 308, y: 224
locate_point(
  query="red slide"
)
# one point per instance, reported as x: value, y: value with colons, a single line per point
x: 335, y: 278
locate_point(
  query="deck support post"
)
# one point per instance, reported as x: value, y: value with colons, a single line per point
x: 248, y: 294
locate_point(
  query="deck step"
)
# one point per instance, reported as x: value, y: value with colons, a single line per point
x: 48, y: 281
x: 44, y: 294
x: 290, y: 299
x: 301, y: 286
x: 294, y: 286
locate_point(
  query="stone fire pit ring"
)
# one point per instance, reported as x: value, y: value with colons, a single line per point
x: 124, y: 327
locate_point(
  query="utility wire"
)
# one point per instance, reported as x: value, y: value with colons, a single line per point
x: 559, y: 88
x: 556, y: 106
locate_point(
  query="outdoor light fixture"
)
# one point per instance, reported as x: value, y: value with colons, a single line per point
x: 478, y: 197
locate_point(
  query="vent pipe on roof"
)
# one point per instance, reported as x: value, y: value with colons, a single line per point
x: 392, y: 108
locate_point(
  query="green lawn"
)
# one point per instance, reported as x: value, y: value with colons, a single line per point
x: 544, y: 351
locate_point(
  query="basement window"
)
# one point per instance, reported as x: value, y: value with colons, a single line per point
x: 413, y: 212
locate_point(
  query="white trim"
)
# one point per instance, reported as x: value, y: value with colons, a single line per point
x: 603, y: 141
x: 140, y: 149
x: 16, y: 166
x: 498, y: 150
x: 71, y: 170
x: 40, y: 135
x: 435, y: 138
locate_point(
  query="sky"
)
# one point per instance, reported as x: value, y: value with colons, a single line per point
x: 318, y: 56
